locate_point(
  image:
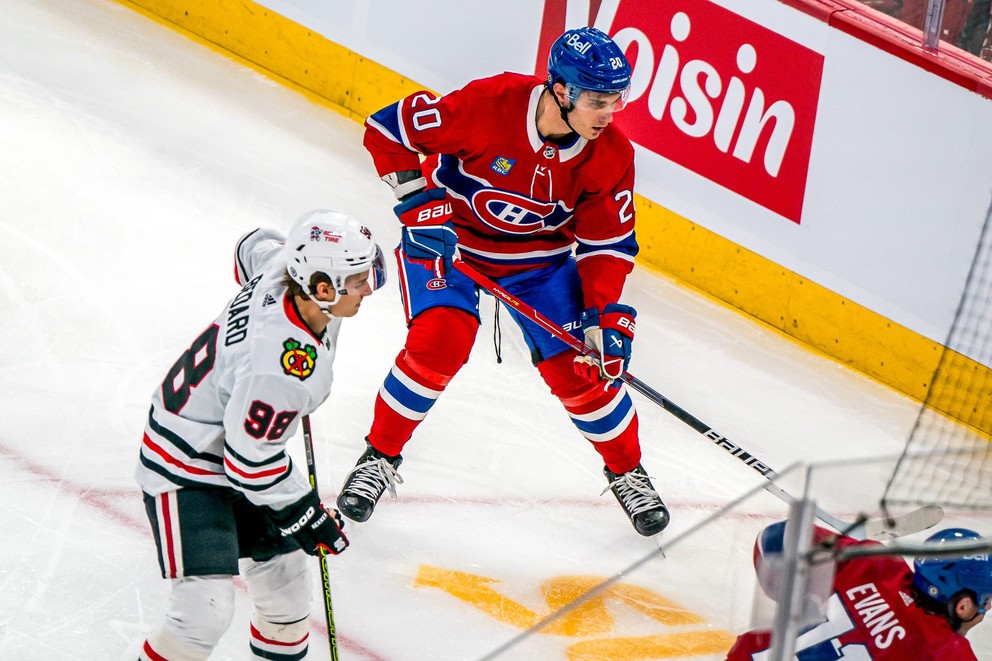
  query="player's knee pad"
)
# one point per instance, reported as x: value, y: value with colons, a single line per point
x: 280, y: 588
x: 441, y: 339
x: 200, y: 611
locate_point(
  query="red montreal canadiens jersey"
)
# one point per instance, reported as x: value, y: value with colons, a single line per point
x: 520, y: 201
x: 224, y: 412
x: 870, y: 616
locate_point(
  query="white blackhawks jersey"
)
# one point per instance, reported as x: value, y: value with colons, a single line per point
x: 224, y: 412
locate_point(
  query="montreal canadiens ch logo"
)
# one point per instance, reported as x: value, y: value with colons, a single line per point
x: 512, y: 213
x: 297, y: 361
x: 437, y: 283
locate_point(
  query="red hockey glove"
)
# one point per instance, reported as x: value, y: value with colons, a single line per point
x: 428, y: 234
x: 611, y: 334
x: 316, y: 529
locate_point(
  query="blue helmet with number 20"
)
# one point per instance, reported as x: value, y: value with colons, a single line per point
x: 587, y: 59
x: 942, y: 578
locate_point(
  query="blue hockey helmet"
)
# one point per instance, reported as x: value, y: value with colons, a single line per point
x: 587, y: 59
x: 942, y: 578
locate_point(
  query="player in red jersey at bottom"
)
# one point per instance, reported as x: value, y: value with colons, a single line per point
x: 881, y: 609
x: 532, y: 184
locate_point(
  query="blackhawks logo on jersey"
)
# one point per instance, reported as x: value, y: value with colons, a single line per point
x: 297, y: 361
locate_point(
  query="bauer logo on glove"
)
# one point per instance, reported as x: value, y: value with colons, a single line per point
x: 434, y: 214
x: 428, y: 235
x: 610, y: 334
x: 427, y: 207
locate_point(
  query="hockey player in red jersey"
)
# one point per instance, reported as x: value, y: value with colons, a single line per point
x: 880, y: 608
x: 218, y: 483
x: 531, y: 184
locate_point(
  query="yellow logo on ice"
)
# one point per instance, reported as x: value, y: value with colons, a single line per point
x: 591, y: 619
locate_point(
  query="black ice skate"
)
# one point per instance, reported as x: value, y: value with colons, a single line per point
x: 371, y: 476
x: 639, y: 500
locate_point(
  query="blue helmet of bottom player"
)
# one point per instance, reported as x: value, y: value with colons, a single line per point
x: 944, y: 579
x: 587, y: 59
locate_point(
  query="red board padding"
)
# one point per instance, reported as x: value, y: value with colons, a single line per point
x: 903, y: 41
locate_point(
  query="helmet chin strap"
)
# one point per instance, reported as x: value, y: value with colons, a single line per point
x: 325, y: 306
x: 563, y: 110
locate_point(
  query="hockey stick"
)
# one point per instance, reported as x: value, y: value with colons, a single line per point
x: 863, y: 528
x: 332, y: 635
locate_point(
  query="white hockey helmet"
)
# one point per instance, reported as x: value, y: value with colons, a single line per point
x: 333, y: 243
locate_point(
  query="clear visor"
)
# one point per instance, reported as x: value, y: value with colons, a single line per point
x: 597, y: 101
x: 376, y: 276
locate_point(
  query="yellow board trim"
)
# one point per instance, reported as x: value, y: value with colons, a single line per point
x: 355, y: 86
x: 283, y: 50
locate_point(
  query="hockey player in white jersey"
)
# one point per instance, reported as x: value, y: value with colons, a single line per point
x: 218, y: 483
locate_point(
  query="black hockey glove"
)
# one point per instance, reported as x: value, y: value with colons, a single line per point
x: 316, y: 529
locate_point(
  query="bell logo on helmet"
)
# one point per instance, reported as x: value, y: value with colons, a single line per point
x: 578, y: 45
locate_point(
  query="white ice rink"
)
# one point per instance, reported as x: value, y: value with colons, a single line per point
x: 131, y: 159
